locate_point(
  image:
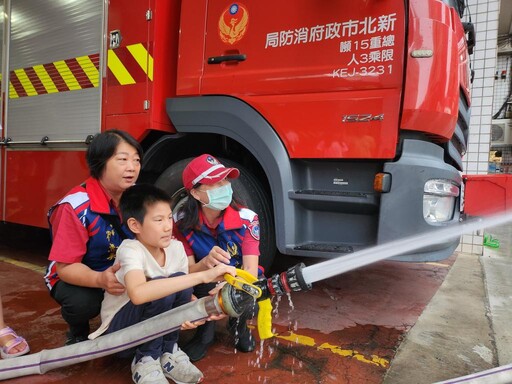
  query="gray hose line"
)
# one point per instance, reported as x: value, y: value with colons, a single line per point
x: 48, y: 359
x: 497, y: 375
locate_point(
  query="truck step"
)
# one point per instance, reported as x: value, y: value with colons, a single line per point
x: 323, y: 247
x: 349, y: 202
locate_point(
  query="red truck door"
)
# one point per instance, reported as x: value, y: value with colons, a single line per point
x: 129, y: 65
x: 309, y: 66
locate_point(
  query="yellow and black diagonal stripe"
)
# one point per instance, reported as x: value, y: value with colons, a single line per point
x: 126, y: 65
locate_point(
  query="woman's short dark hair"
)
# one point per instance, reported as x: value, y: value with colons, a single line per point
x: 103, y: 147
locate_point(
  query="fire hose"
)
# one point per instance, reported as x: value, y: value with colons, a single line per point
x: 233, y: 300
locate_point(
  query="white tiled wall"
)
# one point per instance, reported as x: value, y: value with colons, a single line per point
x: 484, y: 15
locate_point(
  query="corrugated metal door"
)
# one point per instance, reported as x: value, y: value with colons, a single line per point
x: 54, y: 65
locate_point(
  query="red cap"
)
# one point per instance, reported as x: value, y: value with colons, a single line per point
x: 206, y: 169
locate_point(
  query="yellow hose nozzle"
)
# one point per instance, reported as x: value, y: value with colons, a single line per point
x: 265, y: 319
x: 244, y: 282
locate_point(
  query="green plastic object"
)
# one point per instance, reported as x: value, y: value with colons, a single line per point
x: 491, y: 242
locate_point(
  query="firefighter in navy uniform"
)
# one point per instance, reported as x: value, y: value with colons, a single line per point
x: 216, y: 228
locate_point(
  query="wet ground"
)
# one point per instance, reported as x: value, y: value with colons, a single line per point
x: 347, y: 329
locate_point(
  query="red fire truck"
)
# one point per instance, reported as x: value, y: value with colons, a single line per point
x: 348, y: 119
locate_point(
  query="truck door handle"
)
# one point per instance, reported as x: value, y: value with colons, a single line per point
x: 222, y: 59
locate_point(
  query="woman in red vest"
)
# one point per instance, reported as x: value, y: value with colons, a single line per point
x: 86, y: 230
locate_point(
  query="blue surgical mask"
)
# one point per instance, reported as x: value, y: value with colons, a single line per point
x: 219, y: 198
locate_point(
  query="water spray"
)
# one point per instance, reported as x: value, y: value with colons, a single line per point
x: 398, y: 247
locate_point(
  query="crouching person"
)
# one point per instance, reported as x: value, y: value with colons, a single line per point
x: 154, y: 270
x: 215, y: 228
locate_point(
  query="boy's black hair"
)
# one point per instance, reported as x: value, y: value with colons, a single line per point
x: 103, y: 147
x: 135, y: 200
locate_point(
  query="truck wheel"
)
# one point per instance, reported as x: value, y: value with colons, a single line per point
x: 247, y: 188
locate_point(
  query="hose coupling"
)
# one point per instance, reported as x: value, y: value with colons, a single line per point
x: 292, y: 280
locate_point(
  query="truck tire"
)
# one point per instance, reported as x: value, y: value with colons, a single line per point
x: 247, y: 188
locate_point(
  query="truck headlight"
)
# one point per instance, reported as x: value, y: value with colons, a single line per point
x: 439, y: 199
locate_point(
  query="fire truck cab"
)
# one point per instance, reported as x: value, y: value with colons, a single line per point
x: 348, y: 120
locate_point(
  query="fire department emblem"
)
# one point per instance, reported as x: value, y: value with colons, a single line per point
x: 233, y: 23
x: 212, y: 160
x: 232, y: 248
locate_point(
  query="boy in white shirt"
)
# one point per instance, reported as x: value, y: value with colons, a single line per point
x: 154, y: 270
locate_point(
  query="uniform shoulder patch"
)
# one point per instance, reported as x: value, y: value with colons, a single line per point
x: 254, y: 229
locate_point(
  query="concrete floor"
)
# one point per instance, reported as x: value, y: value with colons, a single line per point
x: 347, y: 329
x: 466, y: 326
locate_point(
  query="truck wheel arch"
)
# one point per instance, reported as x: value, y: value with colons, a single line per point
x: 233, y: 118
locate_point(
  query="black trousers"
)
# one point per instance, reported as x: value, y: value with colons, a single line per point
x: 132, y: 314
x: 78, y: 306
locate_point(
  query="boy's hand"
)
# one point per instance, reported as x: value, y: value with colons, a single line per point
x: 217, y: 273
x: 216, y: 317
x: 215, y: 257
x: 108, y: 280
x: 191, y: 324
x: 217, y: 288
